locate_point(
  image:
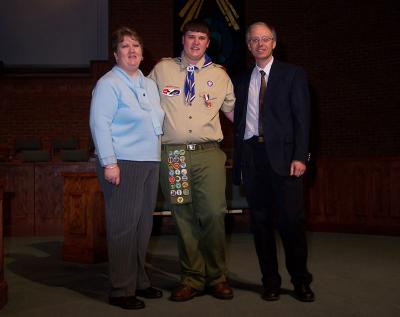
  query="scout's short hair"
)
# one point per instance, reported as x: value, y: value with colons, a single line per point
x: 118, y: 36
x: 196, y: 25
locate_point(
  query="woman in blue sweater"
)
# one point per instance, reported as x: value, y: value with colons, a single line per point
x: 126, y: 124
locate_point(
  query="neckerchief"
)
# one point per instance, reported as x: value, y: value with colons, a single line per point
x: 189, y: 87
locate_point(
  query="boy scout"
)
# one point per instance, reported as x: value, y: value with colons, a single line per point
x: 193, y: 90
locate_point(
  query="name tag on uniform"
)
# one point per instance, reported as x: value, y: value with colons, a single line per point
x: 180, y: 190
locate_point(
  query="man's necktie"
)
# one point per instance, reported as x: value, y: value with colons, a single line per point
x: 189, y: 84
x: 263, y: 88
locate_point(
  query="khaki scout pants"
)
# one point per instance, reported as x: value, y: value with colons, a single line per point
x: 200, y: 224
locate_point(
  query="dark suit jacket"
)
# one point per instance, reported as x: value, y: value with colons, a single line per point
x: 286, y: 117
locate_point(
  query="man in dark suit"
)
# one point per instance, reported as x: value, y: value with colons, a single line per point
x: 271, y: 124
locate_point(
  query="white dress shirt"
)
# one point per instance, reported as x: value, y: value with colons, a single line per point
x: 253, y: 101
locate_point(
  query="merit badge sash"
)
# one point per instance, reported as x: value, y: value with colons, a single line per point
x: 180, y: 190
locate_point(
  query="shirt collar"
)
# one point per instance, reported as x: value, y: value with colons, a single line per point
x: 267, y: 67
x: 202, y: 63
x: 137, y: 81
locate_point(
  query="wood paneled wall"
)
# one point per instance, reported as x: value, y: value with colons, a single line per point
x: 355, y: 195
x: 3, y: 283
x: 33, y: 197
x: 346, y: 195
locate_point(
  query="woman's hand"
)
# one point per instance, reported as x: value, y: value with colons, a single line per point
x: 111, y: 174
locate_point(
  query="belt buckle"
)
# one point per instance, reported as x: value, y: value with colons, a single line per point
x: 260, y: 139
x: 191, y: 147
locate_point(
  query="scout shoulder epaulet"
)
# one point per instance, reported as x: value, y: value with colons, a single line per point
x: 164, y: 59
x: 219, y: 66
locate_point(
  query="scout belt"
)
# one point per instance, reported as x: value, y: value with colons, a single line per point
x: 192, y: 146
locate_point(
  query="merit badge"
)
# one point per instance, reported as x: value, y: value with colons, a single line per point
x: 171, y: 91
x: 178, y: 175
x: 179, y: 200
x: 209, y: 83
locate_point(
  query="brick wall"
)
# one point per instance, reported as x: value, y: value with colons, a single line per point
x: 349, y: 48
x: 351, y: 52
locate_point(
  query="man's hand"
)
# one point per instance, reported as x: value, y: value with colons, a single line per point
x: 297, y: 168
x: 230, y: 115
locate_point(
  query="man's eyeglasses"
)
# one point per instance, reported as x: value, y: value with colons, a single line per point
x: 264, y: 39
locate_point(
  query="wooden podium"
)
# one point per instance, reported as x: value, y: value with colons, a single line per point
x: 84, y: 219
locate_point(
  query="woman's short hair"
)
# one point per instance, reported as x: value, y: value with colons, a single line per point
x: 119, y: 34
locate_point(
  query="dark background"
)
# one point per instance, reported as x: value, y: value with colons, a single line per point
x: 350, y: 50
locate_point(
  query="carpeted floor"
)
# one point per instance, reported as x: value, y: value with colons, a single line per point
x: 355, y: 275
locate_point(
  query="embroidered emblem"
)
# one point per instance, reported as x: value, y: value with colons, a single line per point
x: 179, y: 200
x: 209, y: 83
x: 185, y: 184
x: 171, y: 91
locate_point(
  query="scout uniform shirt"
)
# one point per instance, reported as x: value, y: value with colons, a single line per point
x: 197, y: 122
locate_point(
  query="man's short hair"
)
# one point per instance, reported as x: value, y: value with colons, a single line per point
x: 196, y: 25
x: 267, y: 25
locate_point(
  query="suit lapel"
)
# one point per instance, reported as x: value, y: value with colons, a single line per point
x: 272, y: 87
x: 245, y: 87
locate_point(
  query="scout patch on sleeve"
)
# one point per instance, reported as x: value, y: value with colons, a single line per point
x: 180, y: 190
x: 171, y: 91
